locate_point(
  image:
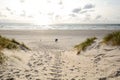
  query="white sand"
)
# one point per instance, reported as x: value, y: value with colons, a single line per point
x: 50, y: 60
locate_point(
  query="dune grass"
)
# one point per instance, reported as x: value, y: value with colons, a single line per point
x: 112, y: 39
x: 23, y: 45
x: 14, y: 41
x: 11, y: 44
x: 3, y: 58
x: 6, y: 43
x: 83, y: 46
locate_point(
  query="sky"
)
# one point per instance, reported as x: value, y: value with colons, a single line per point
x: 60, y: 11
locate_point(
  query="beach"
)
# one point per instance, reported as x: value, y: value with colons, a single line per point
x: 45, y: 38
x: 50, y: 60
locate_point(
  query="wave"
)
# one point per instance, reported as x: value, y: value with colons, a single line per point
x: 61, y: 27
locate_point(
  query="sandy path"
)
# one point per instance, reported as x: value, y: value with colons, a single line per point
x: 56, y: 61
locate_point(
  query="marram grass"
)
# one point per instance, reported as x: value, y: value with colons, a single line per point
x: 83, y: 46
x: 3, y: 58
x: 6, y: 43
x: 11, y: 44
x: 112, y: 39
x: 23, y: 45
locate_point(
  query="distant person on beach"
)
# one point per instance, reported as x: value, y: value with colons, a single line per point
x: 56, y: 40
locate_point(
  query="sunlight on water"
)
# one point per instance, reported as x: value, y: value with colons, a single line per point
x: 61, y: 26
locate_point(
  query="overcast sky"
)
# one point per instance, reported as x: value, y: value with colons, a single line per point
x: 60, y: 11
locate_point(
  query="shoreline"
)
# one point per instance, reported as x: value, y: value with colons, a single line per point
x: 57, y: 31
x: 66, y: 38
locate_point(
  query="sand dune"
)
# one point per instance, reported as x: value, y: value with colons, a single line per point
x: 49, y: 60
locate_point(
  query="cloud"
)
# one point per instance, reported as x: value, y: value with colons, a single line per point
x: 86, y: 11
x: 30, y: 16
x: 51, y: 14
x: 23, y: 14
x: 1, y: 15
x: 87, y: 18
x: 8, y: 9
x: 76, y: 10
x: 48, y: 1
x: 57, y: 17
x: 72, y: 15
x: 89, y: 6
x: 98, y: 17
x: 60, y: 3
x: 22, y: 1
x: 91, y: 10
x: 82, y: 12
x: 11, y: 13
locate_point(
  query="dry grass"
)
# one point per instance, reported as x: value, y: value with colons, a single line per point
x: 16, y: 57
x: 112, y: 39
x: 11, y: 44
x: 23, y: 45
x: 6, y: 43
x: 14, y: 41
x: 3, y: 58
x: 82, y: 46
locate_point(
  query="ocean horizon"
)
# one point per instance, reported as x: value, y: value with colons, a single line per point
x: 27, y: 26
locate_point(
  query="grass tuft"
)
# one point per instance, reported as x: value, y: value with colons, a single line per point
x: 14, y: 41
x: 7, y: 43
x: 82, y: 46
x: 10, y: 44
x: 2, y: 58
x: 23, y: 45
x: 112, y: 39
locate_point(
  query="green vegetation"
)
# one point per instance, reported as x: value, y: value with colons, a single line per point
x: 6, y: 43
x: 112, y: 39
x: 14, y: 41
x: 82, y: 46
x: 11, y: 44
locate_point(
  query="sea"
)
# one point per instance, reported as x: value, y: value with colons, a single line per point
x: 25, y: 26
